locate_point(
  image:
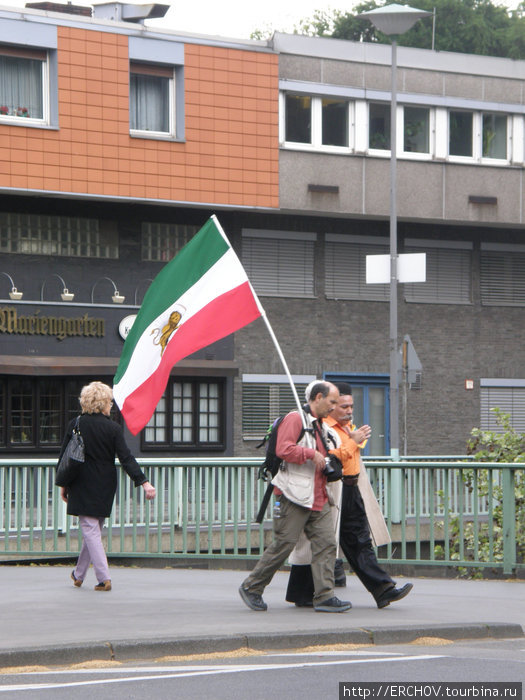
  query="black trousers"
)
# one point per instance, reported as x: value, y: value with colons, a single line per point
x: 355, y: 541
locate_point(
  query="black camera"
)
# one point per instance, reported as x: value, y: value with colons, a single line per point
x: 333, y: 468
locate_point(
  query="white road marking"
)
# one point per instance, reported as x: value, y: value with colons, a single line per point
x: 192, y: 671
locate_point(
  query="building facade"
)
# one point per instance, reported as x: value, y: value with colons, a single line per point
x: 118, y: 141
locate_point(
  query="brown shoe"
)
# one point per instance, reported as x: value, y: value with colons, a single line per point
x: 76, y: 581
x: 104, y: 586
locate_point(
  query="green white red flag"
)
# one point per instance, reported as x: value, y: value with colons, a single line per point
x: 200, y: 296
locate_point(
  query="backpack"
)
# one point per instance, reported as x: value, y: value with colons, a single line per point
x: 272, y: 463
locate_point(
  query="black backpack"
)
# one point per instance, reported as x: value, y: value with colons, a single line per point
x: 272, y: 463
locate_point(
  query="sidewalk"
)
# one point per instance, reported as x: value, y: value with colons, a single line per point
x: 152, y: 613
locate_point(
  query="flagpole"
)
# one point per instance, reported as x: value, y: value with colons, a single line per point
x: 270, y: 331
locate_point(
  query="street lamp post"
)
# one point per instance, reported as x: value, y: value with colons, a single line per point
x: 394, y: 20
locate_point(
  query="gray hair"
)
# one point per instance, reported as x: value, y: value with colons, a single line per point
x: 318, y: 386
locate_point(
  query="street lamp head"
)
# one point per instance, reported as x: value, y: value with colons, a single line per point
x: 394, y: 19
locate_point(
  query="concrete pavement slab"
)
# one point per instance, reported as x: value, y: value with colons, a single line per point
x: 155, y: 612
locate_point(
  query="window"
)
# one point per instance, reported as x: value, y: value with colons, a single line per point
x: 448, y: 272
x: 502, y: 274
x: 279, y: 263
x: 460, y: 133
x: 298, y: 115
x: 23, y: 81
x: 416, y: 131
x: 345, y: 267
x: 152, y: 99
x: 34, y: 412
x: 36, y: 234
x: 189, y: 415
x: 265, y: 398
x: 494, y: 136
x: 335, y: 122
x: 460, y: 141
x: 507, y: 395
x: 321, y: 122
x: 379, y: 126
x: 161, y: 242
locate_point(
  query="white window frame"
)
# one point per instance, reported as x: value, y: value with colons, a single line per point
x: 477, y: 140
x: 414, y: 155
x: 316, y: 143
x: 32, y: 121
x: 171, y: 133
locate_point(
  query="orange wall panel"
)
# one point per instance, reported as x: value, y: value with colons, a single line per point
x: 230, y: 153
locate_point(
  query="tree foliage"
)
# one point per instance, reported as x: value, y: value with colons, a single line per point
x: 465, y: 26
x: 505, y: 445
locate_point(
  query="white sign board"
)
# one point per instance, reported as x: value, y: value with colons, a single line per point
x: 411, y: 267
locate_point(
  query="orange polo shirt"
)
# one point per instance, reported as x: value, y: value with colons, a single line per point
x: 348, y: 453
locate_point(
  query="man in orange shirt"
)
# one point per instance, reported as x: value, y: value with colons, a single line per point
x: 354, y: 532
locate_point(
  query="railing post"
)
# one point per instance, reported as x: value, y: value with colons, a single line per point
x: 509, y: 520
x: 396, y: 486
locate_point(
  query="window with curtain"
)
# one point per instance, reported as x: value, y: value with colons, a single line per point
x: 279, y: 263
x: 189, y: 415
x: 22, y: 81
x: 345, y: 267
x: 448, y: 272
x: 152, y: 99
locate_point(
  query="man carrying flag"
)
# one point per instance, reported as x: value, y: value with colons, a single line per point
x: 200, y: 296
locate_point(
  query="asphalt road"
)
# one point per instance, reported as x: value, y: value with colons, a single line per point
x: 408, y: 671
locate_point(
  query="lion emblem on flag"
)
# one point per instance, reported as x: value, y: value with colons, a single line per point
x: 163, y: 335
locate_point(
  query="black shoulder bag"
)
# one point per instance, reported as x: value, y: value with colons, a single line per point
x: 72, y: 459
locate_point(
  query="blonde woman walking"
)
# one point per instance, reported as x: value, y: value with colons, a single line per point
x: 91, y: 494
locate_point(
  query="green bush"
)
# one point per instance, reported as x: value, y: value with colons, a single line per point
x: 505, y: 445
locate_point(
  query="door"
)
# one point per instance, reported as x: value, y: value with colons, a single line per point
x: 371, y: 394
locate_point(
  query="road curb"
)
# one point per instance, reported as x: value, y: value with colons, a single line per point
x: 125, y: 650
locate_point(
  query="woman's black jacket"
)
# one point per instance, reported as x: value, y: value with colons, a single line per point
x: 93, y: 491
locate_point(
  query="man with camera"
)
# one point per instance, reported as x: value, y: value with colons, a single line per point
x: 359, y: 520
x: 300, y: 486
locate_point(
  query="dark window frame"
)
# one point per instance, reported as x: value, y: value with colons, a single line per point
x: 69, y: 407
x: 196, y: 444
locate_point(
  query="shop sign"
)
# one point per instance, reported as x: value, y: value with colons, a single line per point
x: 60, y: 327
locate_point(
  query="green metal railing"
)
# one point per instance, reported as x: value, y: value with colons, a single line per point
x: 206, y: 508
